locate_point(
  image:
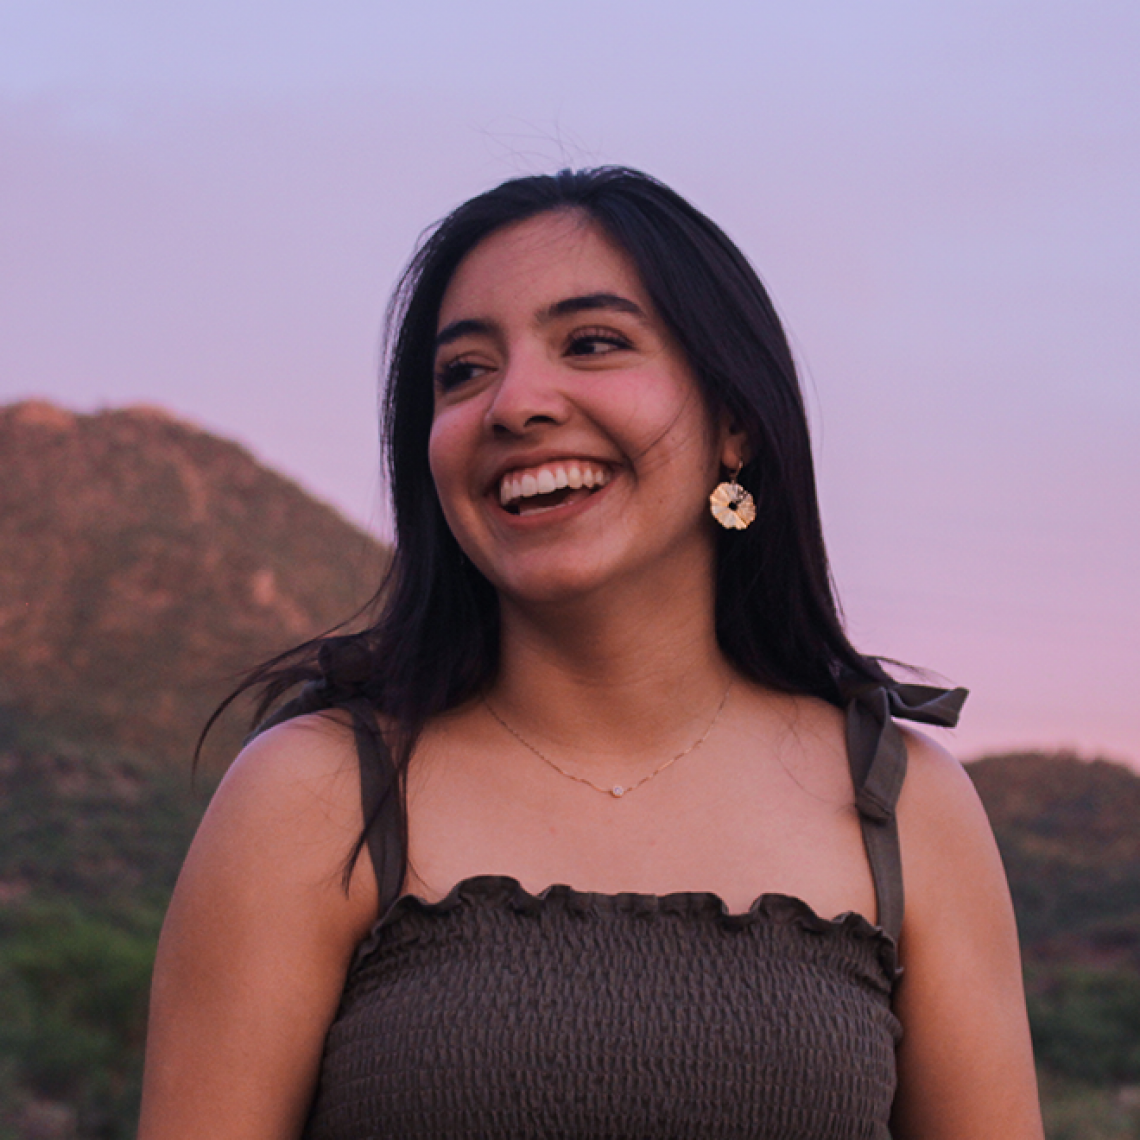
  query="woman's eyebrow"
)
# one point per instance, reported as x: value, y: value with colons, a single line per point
x: 467, y: 327
x: 589, y: 302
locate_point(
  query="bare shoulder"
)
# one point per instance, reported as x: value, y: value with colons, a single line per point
x: 306, y: 765
x: 944, y: 831
x: 285, y: 819
x: 966, y: 1062
x: 257, y: 940
x: 938, y: 790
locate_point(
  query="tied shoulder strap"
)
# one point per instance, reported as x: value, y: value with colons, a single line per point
x: 877, y: 755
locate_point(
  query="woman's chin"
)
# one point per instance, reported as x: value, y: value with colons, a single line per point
x: 549, y: 586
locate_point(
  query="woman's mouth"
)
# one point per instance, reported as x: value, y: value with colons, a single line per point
x: 532, y: 489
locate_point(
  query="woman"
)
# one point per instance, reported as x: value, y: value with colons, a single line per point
x: 597, y: 831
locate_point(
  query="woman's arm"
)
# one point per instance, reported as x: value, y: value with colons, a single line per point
x: 257, y: 941
x: 966, y: 1062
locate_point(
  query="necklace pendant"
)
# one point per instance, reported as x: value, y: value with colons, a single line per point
x: 619, y: 790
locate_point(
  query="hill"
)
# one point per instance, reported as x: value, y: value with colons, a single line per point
x: 144, y: 563
x: 1069, y: 833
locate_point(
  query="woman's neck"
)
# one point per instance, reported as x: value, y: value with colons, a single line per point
x: 629, y: 677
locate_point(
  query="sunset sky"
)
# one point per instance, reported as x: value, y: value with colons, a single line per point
x: 204, y: 206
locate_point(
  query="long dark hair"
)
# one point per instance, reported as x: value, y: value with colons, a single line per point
x: 434, y: 640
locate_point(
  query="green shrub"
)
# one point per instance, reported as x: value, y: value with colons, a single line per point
x: 1086, y: 1023
x: 73, y: 1012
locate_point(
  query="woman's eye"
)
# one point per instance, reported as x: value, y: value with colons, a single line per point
x: 456, y: 373
x: 596, y: 342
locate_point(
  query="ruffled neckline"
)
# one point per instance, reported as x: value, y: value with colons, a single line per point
x: 772, y: 907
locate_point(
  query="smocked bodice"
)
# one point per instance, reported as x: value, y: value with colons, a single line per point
x: 495, y: 1012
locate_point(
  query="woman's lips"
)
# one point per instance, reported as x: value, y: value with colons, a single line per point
x: 550, y: 484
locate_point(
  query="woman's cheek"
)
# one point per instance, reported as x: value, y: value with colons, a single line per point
x: 449, y: 470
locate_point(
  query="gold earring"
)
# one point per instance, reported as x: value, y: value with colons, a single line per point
x: 731, y: 505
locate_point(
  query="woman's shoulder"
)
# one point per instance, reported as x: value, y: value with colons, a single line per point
x: 951, y: 864
x: 938, y: 793
x: 288, y: 812
x: 966, y: 1059
x: 304, y: 761
x: 259, y: 934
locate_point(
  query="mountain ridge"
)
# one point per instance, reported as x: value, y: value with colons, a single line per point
x: 145, y: 564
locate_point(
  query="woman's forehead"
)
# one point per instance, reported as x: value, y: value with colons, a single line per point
x: 539, y: 262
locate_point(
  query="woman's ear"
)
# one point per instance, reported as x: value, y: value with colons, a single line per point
x: 734, y: 449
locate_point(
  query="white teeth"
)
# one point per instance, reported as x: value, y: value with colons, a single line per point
x: 546, y: 480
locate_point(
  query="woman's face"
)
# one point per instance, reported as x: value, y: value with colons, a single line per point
x: 570, y: 445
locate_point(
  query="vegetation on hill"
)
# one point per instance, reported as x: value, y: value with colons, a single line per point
x: 90, y: 845
x: 1069, y: 834
x: 143, y: 564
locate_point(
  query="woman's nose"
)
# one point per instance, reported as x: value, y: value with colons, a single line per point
x: 528, y: 394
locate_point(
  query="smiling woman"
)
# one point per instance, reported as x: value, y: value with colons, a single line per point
x: 602, y: 827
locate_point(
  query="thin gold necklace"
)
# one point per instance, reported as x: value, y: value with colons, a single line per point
x: 616, y: 790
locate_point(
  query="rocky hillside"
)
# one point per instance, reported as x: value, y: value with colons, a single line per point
x: 144, y: 563
x: 1069, y: 833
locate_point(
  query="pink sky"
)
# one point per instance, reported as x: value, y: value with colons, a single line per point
x: 205, y: 208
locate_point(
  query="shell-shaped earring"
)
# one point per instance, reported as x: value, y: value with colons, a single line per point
x: 731, y: 505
